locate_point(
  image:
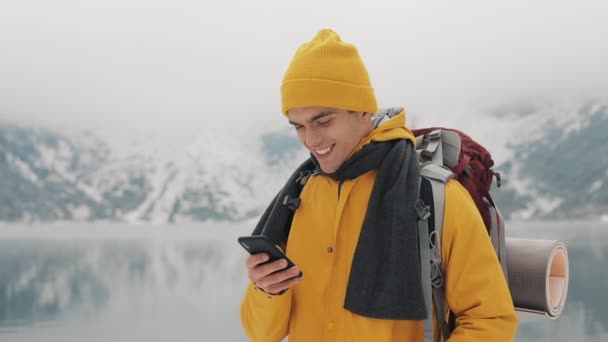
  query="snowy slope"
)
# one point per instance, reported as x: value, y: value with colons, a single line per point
x: 553, y: 158
x: 557, y: 161
x: 81, y: 178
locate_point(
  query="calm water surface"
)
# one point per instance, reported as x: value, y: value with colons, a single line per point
x: 109, y: 282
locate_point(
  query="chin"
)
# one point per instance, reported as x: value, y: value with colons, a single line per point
x: 327, y: 169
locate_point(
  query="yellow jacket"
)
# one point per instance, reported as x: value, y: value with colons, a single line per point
x: 322, y: 242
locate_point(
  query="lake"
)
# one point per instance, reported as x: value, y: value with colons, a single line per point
x: 112, y: 282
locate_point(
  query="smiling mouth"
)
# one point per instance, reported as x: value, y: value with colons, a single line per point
x: 324, y: 151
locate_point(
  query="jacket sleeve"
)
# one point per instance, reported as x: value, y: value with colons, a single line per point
x: 265, y: 317
x: 476, y: 288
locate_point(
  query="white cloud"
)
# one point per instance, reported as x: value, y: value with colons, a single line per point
x: 184, y: 64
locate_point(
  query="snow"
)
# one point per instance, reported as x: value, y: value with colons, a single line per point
x: 59, y: 160
x: 23, y: 168
x: 230, y: 165
x: 80, y: 213
x: 567, y: 116
x: 596, y: 186
x: 157, y: 180
x: 547, y: 204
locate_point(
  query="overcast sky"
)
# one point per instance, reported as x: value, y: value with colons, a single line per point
x: 188, y: 63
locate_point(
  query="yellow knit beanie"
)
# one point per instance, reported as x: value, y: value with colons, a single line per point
x: 327, y: 72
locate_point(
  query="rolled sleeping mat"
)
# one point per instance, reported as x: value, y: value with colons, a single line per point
x: 538, y: 275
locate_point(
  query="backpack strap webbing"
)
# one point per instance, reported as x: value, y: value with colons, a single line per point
x: 425, y: 220
x: 497, y: 235
x: 432, y: 192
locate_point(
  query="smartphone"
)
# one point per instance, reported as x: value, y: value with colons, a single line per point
x: 261, y: 244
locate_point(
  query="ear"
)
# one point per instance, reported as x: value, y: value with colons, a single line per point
x: 366, y: 115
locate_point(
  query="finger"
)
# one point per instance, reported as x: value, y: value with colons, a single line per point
x: 260, y: 272
x: 256, y: 259
x: 284, y: 285
x: 278, y: 277
x: 266, y: 269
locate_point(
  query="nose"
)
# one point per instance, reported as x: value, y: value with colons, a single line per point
x: 313, y: 138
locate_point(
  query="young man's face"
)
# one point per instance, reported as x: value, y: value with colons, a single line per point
x: 330, y: 134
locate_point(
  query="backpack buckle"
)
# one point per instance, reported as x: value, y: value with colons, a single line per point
x: 292, y: 203
x: 434, y: 135
x: 303, y: 177
x: 436, y: 272
x: 498, y: 179
x: 423, y: 210
x: 436, y: 276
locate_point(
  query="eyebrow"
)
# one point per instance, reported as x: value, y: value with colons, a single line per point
x: 316, y: 117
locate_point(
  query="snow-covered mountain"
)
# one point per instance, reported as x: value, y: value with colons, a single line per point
x: 557, y: 161
x: 553, y: 159
x: 47, y: 176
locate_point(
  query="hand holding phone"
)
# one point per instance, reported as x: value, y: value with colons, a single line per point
x: 269, y: 268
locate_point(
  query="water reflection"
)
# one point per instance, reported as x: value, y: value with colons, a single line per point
x: 117, y: 283
x: 155, y: 284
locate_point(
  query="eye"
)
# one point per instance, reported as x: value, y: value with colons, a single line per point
x: 325, y: 123
x: 298, y: 127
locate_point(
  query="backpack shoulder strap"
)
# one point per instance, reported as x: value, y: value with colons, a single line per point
x: 425, y: 221
x: 439, y: 150
x: 432, y: 194
x: 497, y: 236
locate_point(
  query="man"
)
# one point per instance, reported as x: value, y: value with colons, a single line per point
x: 353, y: 230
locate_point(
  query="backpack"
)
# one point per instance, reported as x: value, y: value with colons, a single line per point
x: 445, y: 154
